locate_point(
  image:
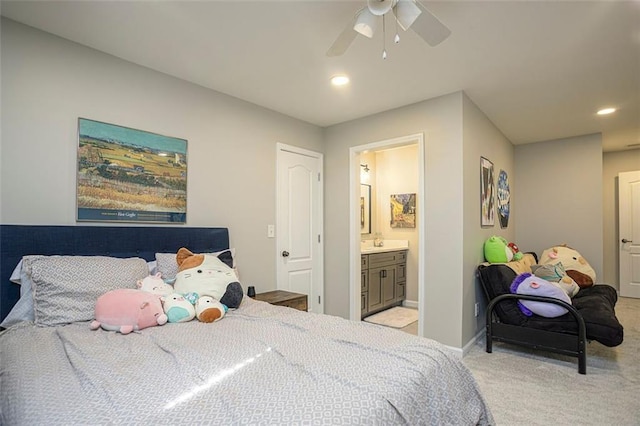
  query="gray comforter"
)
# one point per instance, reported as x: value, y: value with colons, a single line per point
x: 261, y: 364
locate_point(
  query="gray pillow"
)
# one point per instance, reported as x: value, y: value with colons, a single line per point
x: 65, y: 288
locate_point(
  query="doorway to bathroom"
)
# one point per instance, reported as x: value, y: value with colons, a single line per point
x: 380, y: 174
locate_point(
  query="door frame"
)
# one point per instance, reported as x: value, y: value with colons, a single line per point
x: 354, y: 220
x: 319, y: 203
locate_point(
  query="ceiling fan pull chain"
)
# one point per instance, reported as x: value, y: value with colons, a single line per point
x: 396, y: 39
x: 384, y: 37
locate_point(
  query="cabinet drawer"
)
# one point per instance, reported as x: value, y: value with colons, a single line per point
x: 400, y: 292
x: 401, y: 272
x: 364, y: 262
x: 382, y: 259
x: 364, y: 281
x: 364, y: 303
x: 299, y: 304
x: 284, y: 298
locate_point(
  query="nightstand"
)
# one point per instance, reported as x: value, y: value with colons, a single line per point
x: 284, y: 298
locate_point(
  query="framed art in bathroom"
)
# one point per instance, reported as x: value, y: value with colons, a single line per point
x: 130, y: 175
x: 365, y: 208
x: 403, y: 210
x: 487, y: 193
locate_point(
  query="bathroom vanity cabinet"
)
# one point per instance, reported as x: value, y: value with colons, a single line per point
x: 383, y: 280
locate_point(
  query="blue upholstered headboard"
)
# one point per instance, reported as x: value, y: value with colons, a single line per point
x: 117, y: 241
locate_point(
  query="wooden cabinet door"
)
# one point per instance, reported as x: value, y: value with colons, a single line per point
x: 389, y: 286
x: 382, y: 283
x: 375, y: 289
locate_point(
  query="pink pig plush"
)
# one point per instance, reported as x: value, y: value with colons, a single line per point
x: 126, y: 310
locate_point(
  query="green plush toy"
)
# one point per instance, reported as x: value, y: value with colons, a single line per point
x: 498, y: 250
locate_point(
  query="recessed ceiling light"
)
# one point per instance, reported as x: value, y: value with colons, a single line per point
x: 606, y: 111
x: 339, y: 80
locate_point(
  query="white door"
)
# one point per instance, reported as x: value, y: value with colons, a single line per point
x: 299, y: 242
x: 629, y: 233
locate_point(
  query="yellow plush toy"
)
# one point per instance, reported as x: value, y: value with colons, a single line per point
x: 574, y: 264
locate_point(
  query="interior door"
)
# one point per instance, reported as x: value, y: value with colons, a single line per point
x: 629, y: 233
x: 299, y: 222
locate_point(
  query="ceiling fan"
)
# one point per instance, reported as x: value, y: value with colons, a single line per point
x: 406, y: 13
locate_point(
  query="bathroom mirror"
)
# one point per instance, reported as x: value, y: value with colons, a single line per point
x: 365, y: 208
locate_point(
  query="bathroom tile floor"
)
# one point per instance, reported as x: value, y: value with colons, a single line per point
x: 411, y: 328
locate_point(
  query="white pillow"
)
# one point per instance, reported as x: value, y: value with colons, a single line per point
x: 23, y: 309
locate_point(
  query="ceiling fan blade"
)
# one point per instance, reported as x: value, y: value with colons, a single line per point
x: 428, y: 27
x: 345, y: 39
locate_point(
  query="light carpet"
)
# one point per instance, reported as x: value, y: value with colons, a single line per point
x: 528, y: 387
x: 396, y: 317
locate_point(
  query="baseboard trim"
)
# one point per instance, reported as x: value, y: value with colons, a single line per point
x: 410, y: 304
x: 461, y: 353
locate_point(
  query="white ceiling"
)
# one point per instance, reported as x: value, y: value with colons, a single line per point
x: 538, y: 69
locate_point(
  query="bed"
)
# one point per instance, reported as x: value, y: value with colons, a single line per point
x: 260, y: 364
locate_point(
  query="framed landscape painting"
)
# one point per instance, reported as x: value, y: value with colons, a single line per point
x: 130, y: 175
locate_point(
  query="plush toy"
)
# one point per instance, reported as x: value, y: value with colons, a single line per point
x: 516, y: 251
x: 531, y: 285
x: 209, y: 309
x: 155, y: 284
x: 207, y: 275
x: 498, y: 250
x: 574, y: 264
x: 556, y: 275
x: 177, y: 308
x: 126, y: 310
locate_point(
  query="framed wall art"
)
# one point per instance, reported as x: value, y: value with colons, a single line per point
x: 504, y: 199
x: 130, y: 175
x: 487, y: 191
x: 403, y: 210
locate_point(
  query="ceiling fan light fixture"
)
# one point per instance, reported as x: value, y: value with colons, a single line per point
x: 406, y: 13
x: 380, y: 7
x: 365, y: 23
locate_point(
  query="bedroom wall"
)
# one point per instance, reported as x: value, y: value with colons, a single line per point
x: 457, y: 133
x: 612, y: 164
x: 560, y: 196
x: 481, y: 139
x: 48, y: 82
x: 440, y: 119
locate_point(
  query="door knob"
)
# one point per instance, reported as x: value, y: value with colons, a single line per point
x: 624, y: 241
x: 285, y: 254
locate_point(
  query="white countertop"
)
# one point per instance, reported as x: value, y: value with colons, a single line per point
x: 367, y: 247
